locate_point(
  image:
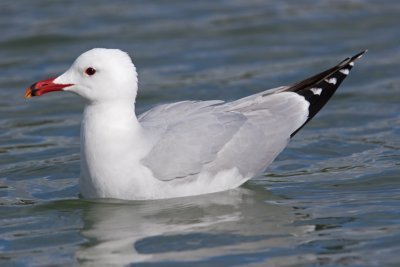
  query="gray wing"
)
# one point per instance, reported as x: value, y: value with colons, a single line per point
x: 188, y: 135
x: 191, y: 137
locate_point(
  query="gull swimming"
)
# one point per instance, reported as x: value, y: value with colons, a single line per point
x: 184, y: 148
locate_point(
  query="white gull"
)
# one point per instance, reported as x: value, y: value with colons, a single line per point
x: 184, y: 148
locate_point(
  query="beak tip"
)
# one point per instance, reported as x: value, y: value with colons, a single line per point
x: 44, y: 87
x: 28, y: 93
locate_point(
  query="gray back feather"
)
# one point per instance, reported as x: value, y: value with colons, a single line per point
x: 190, y: 137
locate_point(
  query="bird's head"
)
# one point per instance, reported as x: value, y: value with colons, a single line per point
x: 98, y: 75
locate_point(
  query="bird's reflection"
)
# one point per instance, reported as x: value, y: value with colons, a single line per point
x: 208, y: 225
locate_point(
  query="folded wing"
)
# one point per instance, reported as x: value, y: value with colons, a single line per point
x: 212, y: 136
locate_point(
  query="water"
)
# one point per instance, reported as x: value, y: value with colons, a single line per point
x: 331, y: 198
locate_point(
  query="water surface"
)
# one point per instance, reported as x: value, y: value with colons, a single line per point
x: 330, y: 199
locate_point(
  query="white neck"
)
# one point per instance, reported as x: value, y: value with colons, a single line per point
x: 115, y: 117
x: 111, y: 141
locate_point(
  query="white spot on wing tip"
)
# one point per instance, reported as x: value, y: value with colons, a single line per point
x: 351, y: 63
x: 331, y: 80
x: 344, y: 71
x: 316, y: 91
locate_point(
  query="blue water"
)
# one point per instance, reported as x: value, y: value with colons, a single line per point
x: 332, y: 198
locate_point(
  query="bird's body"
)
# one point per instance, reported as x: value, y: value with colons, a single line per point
x: 185, y: 148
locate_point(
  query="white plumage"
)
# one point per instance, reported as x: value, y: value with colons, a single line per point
x: 180, y: 149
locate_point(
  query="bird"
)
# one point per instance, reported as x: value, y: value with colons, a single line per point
x: 184, y: 148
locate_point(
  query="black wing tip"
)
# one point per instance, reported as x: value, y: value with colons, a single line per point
x: 318, y: 89
x: 353, y: 58
x: 359, y: 55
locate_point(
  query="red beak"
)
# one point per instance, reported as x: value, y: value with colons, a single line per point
x: 44, y: 87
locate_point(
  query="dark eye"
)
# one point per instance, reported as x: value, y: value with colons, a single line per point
x: 90, y: 71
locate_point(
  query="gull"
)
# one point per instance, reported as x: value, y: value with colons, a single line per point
x: 184, y: 148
